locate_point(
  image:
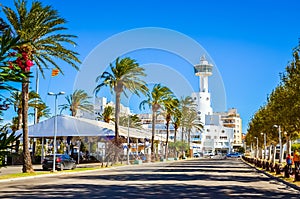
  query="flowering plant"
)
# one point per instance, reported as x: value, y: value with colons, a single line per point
x: 23, y: 59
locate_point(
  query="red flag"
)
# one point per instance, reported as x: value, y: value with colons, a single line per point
x: 55, y: 72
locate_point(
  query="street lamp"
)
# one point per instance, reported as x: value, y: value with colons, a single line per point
x: 55, y: 125
x: 280, y: 143
x: 256, y: 155
x: 128, y: 141
x: 265, y: 145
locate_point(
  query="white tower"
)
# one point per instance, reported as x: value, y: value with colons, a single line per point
x: 202, y: 98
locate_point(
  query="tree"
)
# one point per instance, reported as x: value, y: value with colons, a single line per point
x: 192, y: 121
x: 8, y: 41
x: 134, y: 121
x: 186, y: 104
x: 155, y: 101
x: 7, y: 141
x: 107, y: 114
x: 171, y: 107
x: 124, y: 75
x: 41, y: 27
x: 176, y: 120
x: 42, y: 111
x: 79, y: 100
x: 34, y: 101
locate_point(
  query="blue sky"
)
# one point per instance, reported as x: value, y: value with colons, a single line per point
x: 250, y: 42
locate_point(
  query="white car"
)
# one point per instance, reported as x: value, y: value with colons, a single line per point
x: 196, y: 155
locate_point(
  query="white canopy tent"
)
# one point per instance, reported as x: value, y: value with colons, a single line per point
x: 73, y: 126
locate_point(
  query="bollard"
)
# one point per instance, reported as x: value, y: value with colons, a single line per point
x: 297, y: 174
x: 267, y: 166
x: 277, y: 168
x: 272, y: 167
x: 287, y: 171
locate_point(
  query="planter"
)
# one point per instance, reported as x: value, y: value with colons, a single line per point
x: 138, y: 162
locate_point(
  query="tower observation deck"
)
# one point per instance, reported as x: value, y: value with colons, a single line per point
x: 203, y: 70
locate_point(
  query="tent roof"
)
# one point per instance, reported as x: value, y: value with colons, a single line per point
x: 73, y: 126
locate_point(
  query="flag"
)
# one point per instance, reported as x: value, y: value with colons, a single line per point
x: 55, y: 72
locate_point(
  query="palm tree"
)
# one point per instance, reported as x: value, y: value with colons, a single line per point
x: 125, y: 75
x: 79, y: 100
x: 134, y: 121
x: 171, y: 106
x: 155, y: 100
x: 107, y: 114
x: 192, y: 121
x: 43, y: 27
x: 34, y: 101
x: 176, y: 120
x: 8, y: 41
x: 186, y: 103
x: 42, y: 111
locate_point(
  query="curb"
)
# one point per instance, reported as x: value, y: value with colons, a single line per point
x: 273, y: 177
x: 76, y: 172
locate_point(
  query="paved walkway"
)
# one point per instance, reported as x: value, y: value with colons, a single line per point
x: 37, y: 168
x: 220, y: 179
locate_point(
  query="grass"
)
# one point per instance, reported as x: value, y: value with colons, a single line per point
x: 19, y: 175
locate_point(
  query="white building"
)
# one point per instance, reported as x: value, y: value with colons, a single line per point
x: 232, y: 119
x: 202, y: 98
x: 99, y: 105
x: 219, y: 134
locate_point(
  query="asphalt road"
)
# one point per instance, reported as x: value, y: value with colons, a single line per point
x: 199, y: 178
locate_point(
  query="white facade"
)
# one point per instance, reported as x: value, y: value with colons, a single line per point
x: 217, y: 136
x: 99, y: 105
x: 203, y: 104
x: 232, y: 119
x: 202, y: 98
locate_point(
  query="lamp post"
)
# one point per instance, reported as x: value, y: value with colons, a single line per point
x: 265, y: 145
x: 55, y: 126
x: 256, y: 155
x: 280, y: 142
x: 128, y: 141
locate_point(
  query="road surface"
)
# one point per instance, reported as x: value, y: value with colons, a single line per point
x: 198, y: 178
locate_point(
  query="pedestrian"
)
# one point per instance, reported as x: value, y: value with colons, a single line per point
x: 289, y: 163
x: 296, y: 159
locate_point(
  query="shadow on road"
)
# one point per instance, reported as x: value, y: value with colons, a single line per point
x: 158, y: 184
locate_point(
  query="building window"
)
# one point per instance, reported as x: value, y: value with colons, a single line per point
x: 223, y: 131
x: 207, y: 130
x: 208, y: 137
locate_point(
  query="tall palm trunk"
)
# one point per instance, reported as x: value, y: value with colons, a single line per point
x: 153, y: 128
x: 117, y: 113
x: 175, y: 134
x: 27, y: 164
x: 182, y: 134
x: 189, y: 140
x: 20, y: 114
x: 182, y: 139
x: 167, y: 140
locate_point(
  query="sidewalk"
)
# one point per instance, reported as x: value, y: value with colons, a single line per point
x: 11, y: 169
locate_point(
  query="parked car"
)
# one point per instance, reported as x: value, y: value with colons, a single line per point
x: 196, y: 155
x: 234, y: 155
x: 63, y: 161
